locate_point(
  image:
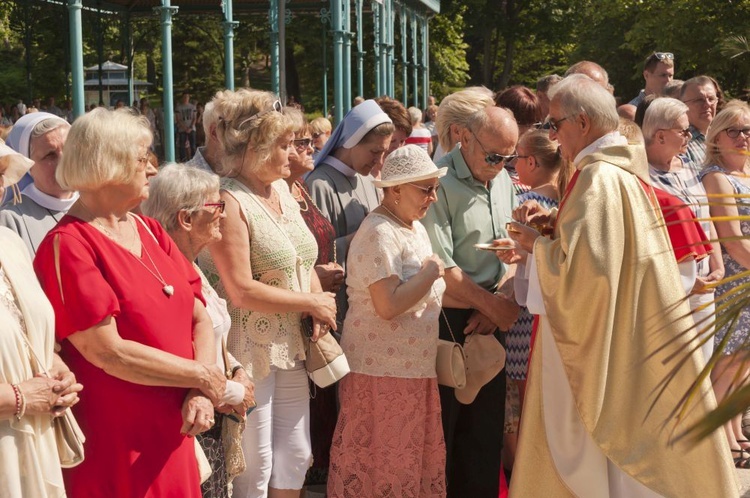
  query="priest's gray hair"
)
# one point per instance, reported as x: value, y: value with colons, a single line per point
x: 578, y: 94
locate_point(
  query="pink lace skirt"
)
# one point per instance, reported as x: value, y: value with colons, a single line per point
x: 389, y: 439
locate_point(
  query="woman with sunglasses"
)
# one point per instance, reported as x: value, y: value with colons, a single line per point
x: 130, y: 319
x: 263, y: 266
x: 389, y: 438
x: 726, y: 173
x: 323, y: 406
x: 186, y: 202
x: 666, y: 133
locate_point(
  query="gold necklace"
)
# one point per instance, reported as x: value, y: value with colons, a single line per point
x: 300, y: 198
x: 402, y: 222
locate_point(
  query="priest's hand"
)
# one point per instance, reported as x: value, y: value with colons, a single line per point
x: 532, y: 212
x: 510, y: 256
x: 523, y: 235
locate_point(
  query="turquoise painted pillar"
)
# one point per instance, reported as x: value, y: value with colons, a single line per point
x: 385, y: 65
x: 167, y: 11
x: 229, y: 24
x: 414, y: 57
x: 337, y: 26
x: 376, y: 15
x: 347, y: 26
x: 425, y: 61
x: 273, y: 20
x: 76, y: 55
x: 325, y: 18
x: 391, y: 48
x: 360, y: 51
x: 129, y: 49
x: 404, y: 19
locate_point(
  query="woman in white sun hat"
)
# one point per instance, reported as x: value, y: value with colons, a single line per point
x: 389, y: 434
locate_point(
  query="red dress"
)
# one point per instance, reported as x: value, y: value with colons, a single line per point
x: 134, y: 447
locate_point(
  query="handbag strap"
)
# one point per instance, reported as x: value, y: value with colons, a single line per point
x: 442, y: 312
x: 225, y: 357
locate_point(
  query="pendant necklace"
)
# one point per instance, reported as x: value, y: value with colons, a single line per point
x: 402, y: 222
x: 167, y: 289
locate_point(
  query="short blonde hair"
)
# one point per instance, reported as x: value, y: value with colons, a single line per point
x: 178, y: 187
x: 248, y: 119
x: 299, y: 123
x: 320, y: 125
x: 726, y: 118
x: 457, y: 108
x: 102, y: 149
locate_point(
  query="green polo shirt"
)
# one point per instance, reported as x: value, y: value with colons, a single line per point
x: 468, y: 213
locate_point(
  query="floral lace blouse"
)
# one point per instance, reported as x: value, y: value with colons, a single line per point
x: 405, y: 346
x: 282, y: 254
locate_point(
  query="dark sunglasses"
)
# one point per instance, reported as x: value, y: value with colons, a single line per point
x: 317, y: 134
x: 218, y: 206
x: 303, y: 143
x: 553, y: 124
x: 494, y: 159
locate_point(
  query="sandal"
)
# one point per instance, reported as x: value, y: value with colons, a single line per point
x: 742, y: 461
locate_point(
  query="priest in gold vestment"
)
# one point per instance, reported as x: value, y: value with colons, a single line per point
x: 598, y: 420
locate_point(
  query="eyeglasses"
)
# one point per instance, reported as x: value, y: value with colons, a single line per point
x: 684, y: 133
x: 518, y: 156
x: 428, y: 191
x: 664, y: 55
x: 735, y: 132
x: 494, y: 159
x: 277, y: 107
x: 303, y: 143
x: 318, y: 134
x: 142, y: 162
x: 217, y: 206
x: 710, y: 100
x: 553, y: 124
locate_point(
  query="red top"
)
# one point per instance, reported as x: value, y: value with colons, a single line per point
x: 134, y: 447
x: 685, y: 233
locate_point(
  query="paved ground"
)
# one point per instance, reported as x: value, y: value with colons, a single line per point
x: 744, y: 476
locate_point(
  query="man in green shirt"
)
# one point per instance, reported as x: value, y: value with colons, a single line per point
x: 475, y: 200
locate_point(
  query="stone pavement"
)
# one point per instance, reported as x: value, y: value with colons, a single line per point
x: 744, y: 477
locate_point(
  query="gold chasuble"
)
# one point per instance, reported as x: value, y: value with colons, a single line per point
x: 596, y: 422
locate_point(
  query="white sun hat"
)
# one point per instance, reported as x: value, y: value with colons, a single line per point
x: 408, y: 164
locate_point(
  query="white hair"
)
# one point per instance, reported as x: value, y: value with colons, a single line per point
x: 578, y: 94
x: 660, y: 115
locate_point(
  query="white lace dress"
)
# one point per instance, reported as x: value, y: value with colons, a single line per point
x: 282, y: 254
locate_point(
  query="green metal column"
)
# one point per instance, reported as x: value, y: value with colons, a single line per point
x: 167, y: 11
x: 425, y: 61
x: 390, y: 6
x: 376, y: 47
x: 360, y: 51
x: 325, y: 18
x: 76, y: 55
x: 129, y: 50
x: 337, y: 27
x: 347, y: 25
x: 229, y: 24
x: 414, y: 57
x: 404, y: 19
x: 273, y: 21
x: 385, y: 66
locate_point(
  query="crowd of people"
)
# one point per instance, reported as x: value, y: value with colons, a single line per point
x: 170, y: 308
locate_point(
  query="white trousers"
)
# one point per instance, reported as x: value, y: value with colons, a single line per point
x: 276, y: 441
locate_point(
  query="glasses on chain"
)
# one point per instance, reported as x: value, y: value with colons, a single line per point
x: 735, y: 132
x: 494, y: 159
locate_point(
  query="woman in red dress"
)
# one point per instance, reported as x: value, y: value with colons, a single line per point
x: 130, y: 319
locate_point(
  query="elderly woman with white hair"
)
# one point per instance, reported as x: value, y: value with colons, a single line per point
x: 666, y: 133
x: 185, y: 201
x: 389, y: 438
x: 39, y: 136
x: 130, y: 319
x: 263, y: 265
